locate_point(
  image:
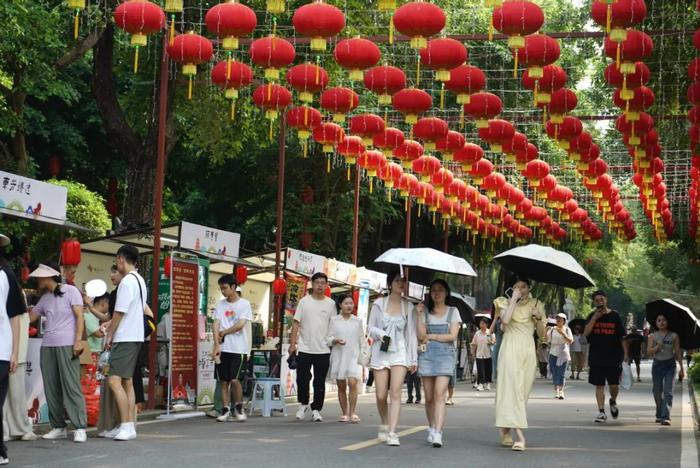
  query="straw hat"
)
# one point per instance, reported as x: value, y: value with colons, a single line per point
x: 4, y: 240
x: 44, y: 271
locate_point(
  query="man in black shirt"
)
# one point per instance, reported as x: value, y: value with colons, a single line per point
x: 635, y: 340
x: 608, y: 348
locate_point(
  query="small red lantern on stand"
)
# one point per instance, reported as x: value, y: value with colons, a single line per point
x: 139, y: 18
x: 190, y: 50
x: 356, y: 54
x: 319, y: 21
x: 339, y: 101
x: 231, y: 77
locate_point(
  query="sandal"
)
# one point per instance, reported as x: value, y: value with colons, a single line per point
x: 518, y: 446
x: 355, y: 419
x: 343, y: 418
x: 506, y: 439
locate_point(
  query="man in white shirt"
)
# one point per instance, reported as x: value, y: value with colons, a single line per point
x: 309, y: 332
x: 125, y: 337
x: 231, y: 315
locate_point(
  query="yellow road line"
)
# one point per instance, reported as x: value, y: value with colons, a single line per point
x: 370, y: 443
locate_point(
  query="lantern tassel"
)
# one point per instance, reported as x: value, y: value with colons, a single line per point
x: 328, y: 164
x: 617, y: 55
x: 405, y: 204
x: 228, y: 66
x: 270, y: 129
x: 371, y: 185
x: 442, y: 97
x: 491, y: 29
x: 233, y: 110
x: 171, y: 37
x: 534, y: 97
x: 391, y: 29
x: 305, y: 149
x: 419, y: 209
x: 189, y: 89
x: 461, y: 118
x: 348, y: 172
x: 608, y: 17
x: 418, y: 71
x: 136, y: 60
x: 76, y: 24
x: 515, y: 63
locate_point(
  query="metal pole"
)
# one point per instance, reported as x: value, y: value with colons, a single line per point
x: 280, y: 222
x: 158, y: 207
x: 356, y: 216
x: 408, y: 237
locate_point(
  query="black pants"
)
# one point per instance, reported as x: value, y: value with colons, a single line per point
x: 484, y: 368
x: 320, y: 363
x: 4, y: 383
x: 413, y: 381
x: 543, y: 369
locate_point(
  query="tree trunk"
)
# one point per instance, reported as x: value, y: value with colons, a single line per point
x: 19, y: 144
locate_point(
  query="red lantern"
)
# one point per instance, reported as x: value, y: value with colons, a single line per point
x: 517, y: 143
x: 318, y: 21
x: 231, y: 76
x: 468, y: 155
x: 339, y: 101
x: 230, y: 20
x: 553, y: 78
x: 442, y: 55
x: 441, y: 179
x: 372, y: 161
x: 419, y: 20
x: 635, y: 47
x: 535, y: 171
x: 307, y: 79
x: 356, y: 54
x: 329, y: 135
x: 54, y: 166
x: 271, y: 98
x: 139, y: 18
x: 412, y: 102
x: 642, y: 100
x: 366, y: 126
x: 272, y: 53
x: 241, y: 273
x: 384, y: 81
x: 483, y: 106
x: 407, y: 184
x: 517, y: 19
x: 496, y: 132
x: 350, y: 148
x: 449, y: 143
x: 388, y: 140
x: 619, y: 15
x: 279, y: 287
x: 190, y: 50
x: 522, y: 158
x: 539, y: 50
x: 563, y: 101
x: 578, y: 144
x: 391, y: 174
x: 407, y: 152
x: 70, y: 252
x: 693, y: 93
x: 492, y: 183
x: 303, y: 119
x: 465, y: 80
x: 429, y: 130
x: 425, y: 167
x: 480, y: 169
x: 570, y: 127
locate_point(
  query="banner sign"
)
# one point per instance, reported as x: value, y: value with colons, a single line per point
x: 371, y: 279
x: 304, y: 262
x: 209, y: 240
x: 184, y: 309
x: 340, y: 271
x: 206, y: 382
x: 32, y: 197
x: 296, y: 289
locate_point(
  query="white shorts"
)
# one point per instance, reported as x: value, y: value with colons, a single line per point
x: 382, y: 360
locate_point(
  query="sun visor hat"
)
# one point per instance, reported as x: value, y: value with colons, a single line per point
x: 44, y: 271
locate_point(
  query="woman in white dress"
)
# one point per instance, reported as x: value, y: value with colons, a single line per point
x: 392, y: 327
x: 345, y: 339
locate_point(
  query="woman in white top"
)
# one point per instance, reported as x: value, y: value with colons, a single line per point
x: 345, y: 340
x: 392, y: 328
x: 559, y: 338
x: 481, y: 349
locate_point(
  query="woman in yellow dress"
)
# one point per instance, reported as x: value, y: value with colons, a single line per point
x: 517, y: 361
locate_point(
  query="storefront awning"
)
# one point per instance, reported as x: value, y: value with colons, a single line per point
x: 58, y: 223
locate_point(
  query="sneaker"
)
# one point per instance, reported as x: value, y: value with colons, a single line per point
x: 449, y: 402
x: 383, y: 433
x: 488, y: 387
x: 418, y: 401
x: 79, y: 436
x: 602, y: 417
x: 430, y: 435
x: 561, y: 395
x: 316, y: 416
x: 614, y: 411
x: 302, y: 412
x: 437, y: 439
x: 56, y: 433
x: 213, y: 414
x: 29, y: 436
x: 409, y: 401
x: 666, y: 422
x: 110, y: 434
x: 658, y: 420
x: 126, y: 432
x: 4, y: 460
x: 224, y: 416
x: 479, y: 388
x: 556, y: 395
x: 241, y: 417
x: 392, y: 439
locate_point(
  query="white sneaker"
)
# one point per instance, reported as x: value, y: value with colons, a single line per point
x: 79, y: 436
x: 437, y: 439
x: 479, y: 388
x: 109, y: 434
x: 56, y: 433
x: 383, y: 433
x: 224, y: 416
x: 430, y: 435
x: 488, y: 387
x: 29, y: 436
x: 302, y: 412
x: 316, y: 416
x: 393, y: 439
x: 240, y: 417
x: 125, y: 433
x: 4, y: 460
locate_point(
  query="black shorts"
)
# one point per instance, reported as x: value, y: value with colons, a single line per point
x: 636, y: 358
x: 232, y: 367
x: 599, y: 375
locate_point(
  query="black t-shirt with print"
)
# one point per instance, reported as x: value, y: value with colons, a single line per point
x: 605, y: 341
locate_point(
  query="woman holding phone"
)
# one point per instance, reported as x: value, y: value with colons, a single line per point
x: 393, y: 330
x: 521, y: 314
x: 438, y: 327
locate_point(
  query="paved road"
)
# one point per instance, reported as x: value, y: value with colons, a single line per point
x: 561, y: 433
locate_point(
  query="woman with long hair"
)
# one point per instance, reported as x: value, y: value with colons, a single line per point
x: 438, y: 328
x: 345, y: 340
x: 665, y: 347
x: 559, y: 338
x: 392, y: 327
x: 521, y: 315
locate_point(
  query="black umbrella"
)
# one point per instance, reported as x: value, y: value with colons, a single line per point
x: 577, y: 322
x: 680, y: 320
x: 465, y: 310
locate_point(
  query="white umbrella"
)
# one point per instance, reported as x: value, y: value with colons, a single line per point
x: 427, y: 258
x: 546, y: 265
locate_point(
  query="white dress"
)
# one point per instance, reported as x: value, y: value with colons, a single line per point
x: 343, y: 361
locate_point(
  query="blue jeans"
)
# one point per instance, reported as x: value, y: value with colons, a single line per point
x: 663, y: 374
x: 558, y: 372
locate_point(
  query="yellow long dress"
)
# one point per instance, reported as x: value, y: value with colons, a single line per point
x: 517, y: 362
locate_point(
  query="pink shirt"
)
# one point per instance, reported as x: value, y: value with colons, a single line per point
x: 60, y: 319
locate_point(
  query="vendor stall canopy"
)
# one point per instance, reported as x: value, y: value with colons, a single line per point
x: 480, y: 112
